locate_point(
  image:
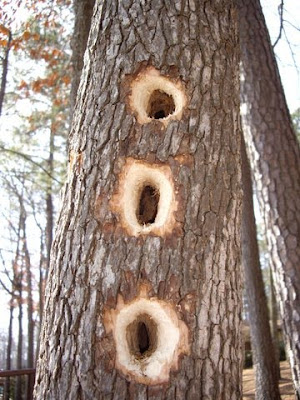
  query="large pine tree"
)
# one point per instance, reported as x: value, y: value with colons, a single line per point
x: 143, y: 297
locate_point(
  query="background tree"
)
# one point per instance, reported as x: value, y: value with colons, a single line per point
x: 266, y: 378
x: 275, y: 159
x: 83, y: 11
x: 5, y: 40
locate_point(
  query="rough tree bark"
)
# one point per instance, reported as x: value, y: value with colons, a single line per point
x: 143, y: 296
x: 275, y: 157
x: 266, y: 379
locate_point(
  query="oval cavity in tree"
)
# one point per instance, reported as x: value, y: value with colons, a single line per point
x: 141, y: 336
x: 154, y: 96
x: 145, y: 201
x: 148, y: 205
x: 149, y: 338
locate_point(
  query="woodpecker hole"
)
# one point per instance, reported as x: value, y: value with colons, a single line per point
x: 142, y: 336
x: 148, y: 205
x: 149, y: 337
x: 156, y: 97
x: 161, y: 105
x: 146, y: 199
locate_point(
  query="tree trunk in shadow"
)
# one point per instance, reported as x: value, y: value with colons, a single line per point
x: 83, y: 10
x: 266, y: 382
x: 274, y: 155
x: 274, y: 324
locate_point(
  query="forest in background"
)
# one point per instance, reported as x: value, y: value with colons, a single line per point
x: 35, y: 120
x: 35, y: 117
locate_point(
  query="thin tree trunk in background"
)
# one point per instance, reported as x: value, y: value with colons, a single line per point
x: 274, y: 324
x: 18, y: 390
x: 49, y: 200
x: 41, y: 279
x: 192, y: 270
x: 45, y: 263
x: 29, y: 300
x: 4, y: 70
x: 49, y: 228
x: 41, y: 284
x: 17, y: 291
x: 83, y: 10
x: 275, y: 159
x: 8, y: 350
x: 266, y: 382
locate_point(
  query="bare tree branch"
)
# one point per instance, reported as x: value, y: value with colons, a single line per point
x: 291, y: 50
x: 6, y: 288
x: 280, y: 12
x: 28, y: 158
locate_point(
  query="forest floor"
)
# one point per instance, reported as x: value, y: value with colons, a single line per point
x: 285, y: 384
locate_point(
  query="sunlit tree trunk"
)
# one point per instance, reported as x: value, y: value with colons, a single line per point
x: 275, y: 158
x: 266, y: 380
x: 144, y: 290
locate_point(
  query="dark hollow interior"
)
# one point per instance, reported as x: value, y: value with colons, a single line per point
x: 148, y: 205
x: 141, y: 336
x: 161, y: 105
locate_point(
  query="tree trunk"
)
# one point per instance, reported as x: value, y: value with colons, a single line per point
x: 49, y: 200
x: 18, y: 390
x: 5, y: 69
x: 266, y: 380
x: 275, y: 157
x: 30, y: 322
x: 8, y: 350
x: 274, y: 324
x: 42, y: 282
x: 83, y: 10
x: 144, y: 293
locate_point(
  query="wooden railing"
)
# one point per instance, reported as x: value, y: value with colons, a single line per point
x: 30, y: 372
